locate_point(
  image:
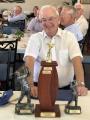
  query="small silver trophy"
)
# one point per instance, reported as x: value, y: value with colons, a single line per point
x: 27, y: 107
x: 49, y: 53
x: 73, y: 109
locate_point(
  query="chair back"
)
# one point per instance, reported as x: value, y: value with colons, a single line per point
x: 8, y: 51
x: 82, y: 44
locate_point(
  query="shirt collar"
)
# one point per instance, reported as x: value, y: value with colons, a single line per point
x: 58, y: 34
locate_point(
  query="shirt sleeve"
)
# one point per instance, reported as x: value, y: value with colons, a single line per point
x: 16, y: 18
x: 31, y: 25
x: 74, y: 49
x: 33, y: 46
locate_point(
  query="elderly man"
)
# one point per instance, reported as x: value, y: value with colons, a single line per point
x: 16, y: 14
x: 67, y: 16
x: 80, y: 19
x: 35, y: 24
x: 34, y: 13
x: 66, y: 52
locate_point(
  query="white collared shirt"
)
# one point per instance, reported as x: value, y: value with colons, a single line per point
x: 83, y: 24
x: 65, y: 49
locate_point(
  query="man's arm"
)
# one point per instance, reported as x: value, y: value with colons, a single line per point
x: 29, y: 63
x: 79, y: 74
x: 16, y: 18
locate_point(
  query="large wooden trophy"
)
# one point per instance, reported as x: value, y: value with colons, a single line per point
x: 47, y: 88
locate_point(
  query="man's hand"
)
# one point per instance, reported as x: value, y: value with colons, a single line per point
x: 82, y: 90
x: 34, y: 91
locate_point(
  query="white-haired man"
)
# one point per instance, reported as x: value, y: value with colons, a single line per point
x: 66, y: 52
x: 67, y: 17
x: 80, y: 19
x: 16, y: 14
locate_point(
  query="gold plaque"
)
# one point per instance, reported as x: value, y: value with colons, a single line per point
x: 25, y: 111
x: 47, y: 114
x: 46, y: 72
x: 75, y: 111
x: 47, y: 68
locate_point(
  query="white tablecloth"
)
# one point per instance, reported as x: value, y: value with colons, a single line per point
x: 7, y: 112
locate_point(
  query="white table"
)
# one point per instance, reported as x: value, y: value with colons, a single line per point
x: 7, y: 112
x: 21, y: 44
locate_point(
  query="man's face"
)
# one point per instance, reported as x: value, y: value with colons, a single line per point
x: 65, y: 18
x: 17, y: 10
x: 50, y: 22
x: 35, y: 11
x: 79, y: 12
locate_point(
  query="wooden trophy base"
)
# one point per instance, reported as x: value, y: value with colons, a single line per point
x: 47, y: 114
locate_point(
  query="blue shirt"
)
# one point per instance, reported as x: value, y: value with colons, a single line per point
x: 75, y: 29
x: 21, y: 16
x: 35, y: 25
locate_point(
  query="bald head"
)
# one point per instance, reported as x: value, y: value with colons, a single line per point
x: 17, y: 10
x: 79, y: 10
x: 69, y: 10
x: 48, y: 11
x: 78, y: 6
x: 49, y: 17
x: 68, y: 15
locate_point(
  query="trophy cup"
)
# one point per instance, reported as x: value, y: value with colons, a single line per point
x: 26, y: 107
x: 73, y: 109
x: 47, y: 88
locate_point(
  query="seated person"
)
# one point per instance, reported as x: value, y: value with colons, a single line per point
x: 80, y: 19
x: 1, y: 16
x: 1, y: 19
x: 5, y: 15
x: 17, y: 18
x: 66, y: 52
x: 16, y: 14
x: 34, y: 13
x: 35, y: 24
x: 67, y: 18
x: 59, y: 8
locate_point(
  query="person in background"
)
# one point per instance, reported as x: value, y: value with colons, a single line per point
x: 16, y: 14
x: 80, y: 19
x: 59, y: 8
x: 67, y: 16
x: 35, y: 24
x: 34, y: 13
x: 66, y: 52
x: 1, y: 16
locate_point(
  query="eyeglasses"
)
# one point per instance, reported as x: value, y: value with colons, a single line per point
x: 49, y: 19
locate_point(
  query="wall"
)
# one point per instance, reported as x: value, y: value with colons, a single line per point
x: 28, y: 5
x: 87, y: 10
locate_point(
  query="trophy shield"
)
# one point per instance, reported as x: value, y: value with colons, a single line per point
x: 47, y: 90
